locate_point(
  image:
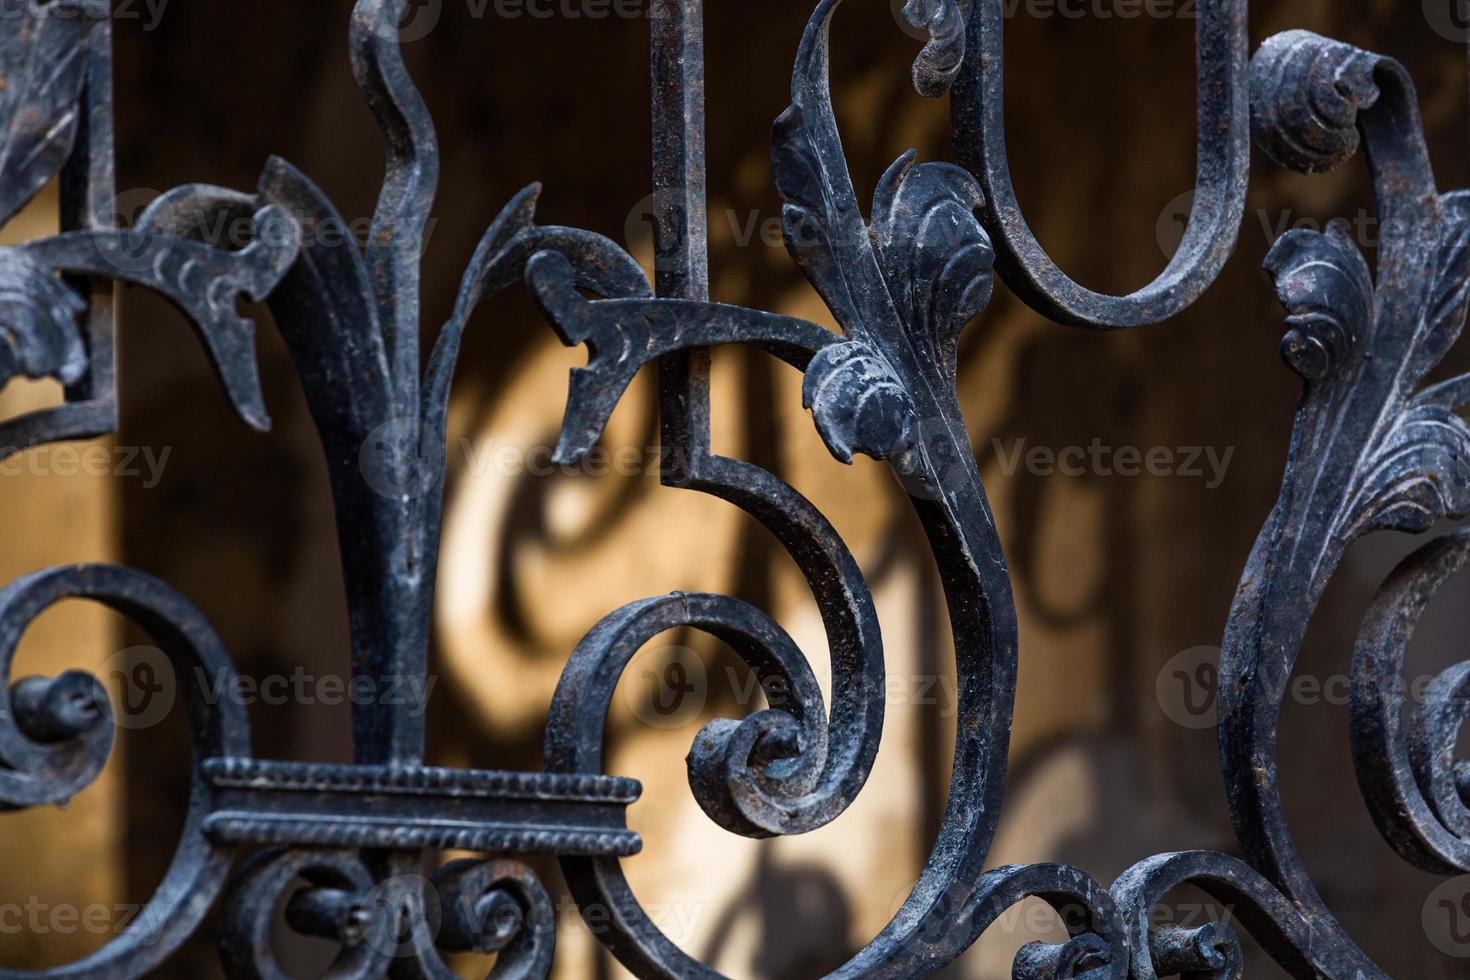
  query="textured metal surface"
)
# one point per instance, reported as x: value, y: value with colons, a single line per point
x: 1374, y: 449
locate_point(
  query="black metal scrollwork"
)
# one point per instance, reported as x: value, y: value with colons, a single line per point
x: 1373, y: 449
x: 56, y: 734
x: 1223, y: 149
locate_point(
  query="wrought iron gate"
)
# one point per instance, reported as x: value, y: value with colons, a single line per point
x: 1373, y: 449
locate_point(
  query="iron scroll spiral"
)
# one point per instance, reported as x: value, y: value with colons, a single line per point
x: 56, y: 735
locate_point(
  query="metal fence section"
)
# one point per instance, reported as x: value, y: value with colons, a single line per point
x: 1374, y: 449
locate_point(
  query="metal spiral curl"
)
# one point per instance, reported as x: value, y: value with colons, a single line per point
x: 1407, y: 766
x: 386, y: 920
x: 1213, y: 950
x: 56, y: 734
x: 338, y: 902
x: 495, y: 906
x: 1306, y: 93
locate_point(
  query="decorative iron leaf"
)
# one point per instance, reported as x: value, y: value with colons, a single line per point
x: 808, y: 213
x: 1324, y: 283
x: 42, y: 69
x: 858, y: 404
x: 1418, y: 470
x: 1417, y: 474
x: 1444, y: 313
x: 325, y: 311
x: 39, y: 336
x: 939, y: 63
x: 935, y: 256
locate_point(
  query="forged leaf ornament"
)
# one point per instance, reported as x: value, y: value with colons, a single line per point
x: 936, y: 259
x: 1418, y: 470
x: 944, y: 55
x: 1443, y: 315
x: 39, y: 336
x: 1370, y: 451
x: 810, y: 214
x: 1324, y: 283
x: 1413, y: 465
x: 41, y: 77
x: 1306, y: 93
x: 1418, y: 473
x: 858, y: 404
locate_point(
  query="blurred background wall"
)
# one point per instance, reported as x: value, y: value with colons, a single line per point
x: 1123, y: 583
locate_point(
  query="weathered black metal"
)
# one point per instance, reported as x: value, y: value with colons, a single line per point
x: 1372, y: 450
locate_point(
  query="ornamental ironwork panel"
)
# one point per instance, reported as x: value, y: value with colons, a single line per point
x: 1374, y: 448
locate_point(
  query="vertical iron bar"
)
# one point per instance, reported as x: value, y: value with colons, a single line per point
x: 88, y: 192
x: 680, y: 223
